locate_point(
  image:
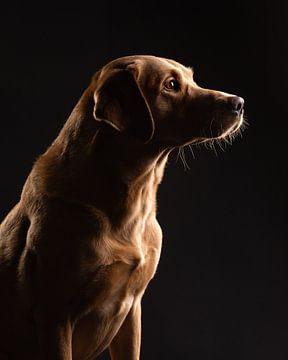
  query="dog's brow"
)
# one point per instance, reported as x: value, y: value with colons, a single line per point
x: 176, y: 73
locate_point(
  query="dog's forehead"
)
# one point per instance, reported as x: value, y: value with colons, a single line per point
x: 176, y: 65
x: 154, y: 63
x: 168, y: 66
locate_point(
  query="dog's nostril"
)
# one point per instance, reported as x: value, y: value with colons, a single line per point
x: 236, y: 103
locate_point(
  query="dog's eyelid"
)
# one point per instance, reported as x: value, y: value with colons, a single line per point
x: 172, y: 84
x: 175, y: 77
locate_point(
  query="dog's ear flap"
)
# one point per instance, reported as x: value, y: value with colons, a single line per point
x: 119, y: 101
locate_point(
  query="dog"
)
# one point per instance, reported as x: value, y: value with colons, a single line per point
x: 79, y: 249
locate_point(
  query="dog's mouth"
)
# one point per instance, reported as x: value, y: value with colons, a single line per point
x: 233, y: 128
x: 221, y: 126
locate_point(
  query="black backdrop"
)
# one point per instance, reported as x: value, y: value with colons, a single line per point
x: 221, y: 287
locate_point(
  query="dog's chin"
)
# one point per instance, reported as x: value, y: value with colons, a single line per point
x: 232, y: 129
x: 220, y: 129
x: 216, y: 130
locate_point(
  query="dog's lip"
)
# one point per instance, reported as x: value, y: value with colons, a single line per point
x: 236, y: 124
x: 234, y: 127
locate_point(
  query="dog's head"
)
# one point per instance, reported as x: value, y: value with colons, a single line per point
x: 156, y: 100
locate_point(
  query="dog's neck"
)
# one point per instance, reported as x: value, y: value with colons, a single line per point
x: 134, y: 169
x: 88, y: 153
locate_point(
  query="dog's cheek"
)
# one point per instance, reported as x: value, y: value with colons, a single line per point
x: 162, y: 108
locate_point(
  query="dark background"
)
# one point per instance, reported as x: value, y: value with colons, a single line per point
x: 221, y: 287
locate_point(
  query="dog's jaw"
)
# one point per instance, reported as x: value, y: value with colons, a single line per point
x: 234, y: 128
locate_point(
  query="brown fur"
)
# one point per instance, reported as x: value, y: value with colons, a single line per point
x: 82, y: 244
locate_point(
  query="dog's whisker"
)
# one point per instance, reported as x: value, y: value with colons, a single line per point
x: 210, y: 128
x: 219, y: 143
x: 186, y: 166
x: 214, y: 148
x: 182, y: 156
x: 178, y: 155
x: 229, y: 139
x: 224, y: 141
x: 191, y: 151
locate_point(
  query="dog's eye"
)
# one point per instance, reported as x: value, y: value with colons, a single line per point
x: 172, y: 84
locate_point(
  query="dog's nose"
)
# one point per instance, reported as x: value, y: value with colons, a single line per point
x: 235, y: 103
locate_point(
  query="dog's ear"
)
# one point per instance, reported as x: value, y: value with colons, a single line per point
x: 119, y: 101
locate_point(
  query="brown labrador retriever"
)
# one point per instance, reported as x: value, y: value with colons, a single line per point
x: 80, y: 247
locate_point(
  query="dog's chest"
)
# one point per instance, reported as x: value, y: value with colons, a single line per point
x: 114, y: 290
x: 131, y: 265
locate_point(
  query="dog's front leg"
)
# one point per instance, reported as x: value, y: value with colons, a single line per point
x: 126, y: 343
x: 54, y: 337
